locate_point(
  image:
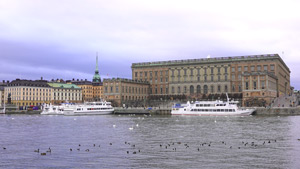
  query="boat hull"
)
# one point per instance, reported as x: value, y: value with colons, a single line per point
x: 246, y: 112
x: 81, y: 113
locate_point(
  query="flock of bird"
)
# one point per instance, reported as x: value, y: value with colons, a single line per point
x: 171, y: 146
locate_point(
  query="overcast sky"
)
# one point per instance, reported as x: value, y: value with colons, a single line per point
x: 60, y: 38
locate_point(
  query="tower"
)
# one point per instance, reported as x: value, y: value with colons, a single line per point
x: 96, y: 77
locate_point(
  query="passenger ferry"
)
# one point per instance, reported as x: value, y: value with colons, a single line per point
x: 89, y: 108
x: 210, y: 108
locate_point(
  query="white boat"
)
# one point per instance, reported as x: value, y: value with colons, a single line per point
x: 89, y: 108
x: 210, y: 108
x: 49, y: 109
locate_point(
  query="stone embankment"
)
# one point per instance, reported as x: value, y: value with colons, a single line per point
x: 260, y: 111
x: 282, y: 111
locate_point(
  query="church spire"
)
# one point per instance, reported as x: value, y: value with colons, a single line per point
x: 97, y: 77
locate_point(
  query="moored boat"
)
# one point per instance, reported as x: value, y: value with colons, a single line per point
x: 90, y: 108
x: 210, y: 108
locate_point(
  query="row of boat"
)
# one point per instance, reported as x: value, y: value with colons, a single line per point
x: 88, y: 108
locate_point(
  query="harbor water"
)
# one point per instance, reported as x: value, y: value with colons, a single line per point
x: 127, y: 141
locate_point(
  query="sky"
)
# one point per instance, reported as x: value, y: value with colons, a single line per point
x: 60, y: 38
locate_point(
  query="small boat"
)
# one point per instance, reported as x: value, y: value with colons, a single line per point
x: 210, y: 108
x: 89, y: 108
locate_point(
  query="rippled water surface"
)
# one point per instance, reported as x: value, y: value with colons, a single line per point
x: 154, y: 142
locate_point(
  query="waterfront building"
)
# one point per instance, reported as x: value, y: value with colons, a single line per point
x: 62, y: 92
x: 121, y: 91
x: 2, y: 85
x: 28, y: 92
x: 86, y: 88
x: 197, y: 78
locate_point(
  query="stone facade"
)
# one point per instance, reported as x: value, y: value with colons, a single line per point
x: 122, y: 91
x: 28, y: 92
x: 62, y: 92
x: 197, y: 77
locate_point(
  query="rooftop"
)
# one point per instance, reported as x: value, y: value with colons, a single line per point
x: 64, y: 85
x: 208, y: 60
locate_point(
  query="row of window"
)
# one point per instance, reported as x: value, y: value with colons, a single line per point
x: 150, y: 73
x: 198, y: 89
x: 252, y: 68
x: 214, y: 110
x: 209, y: 105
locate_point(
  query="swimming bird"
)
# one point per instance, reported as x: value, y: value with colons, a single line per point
x: 137, y: 125
x: 70, y: 149
x: 131, y: 128
x: 43, y: 154
x: 134, y: 152
x: 110, y: 143
x: 4, y: 148
x: 38, y: 150
x: 87, y: 150
x: 114, y: 126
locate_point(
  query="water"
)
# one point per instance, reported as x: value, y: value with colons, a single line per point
x: 223, y: 142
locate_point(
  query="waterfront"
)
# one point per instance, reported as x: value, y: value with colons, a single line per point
x: 157, y: 141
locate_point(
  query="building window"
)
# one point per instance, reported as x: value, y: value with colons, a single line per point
x: 184, y: 72
x: 155, y: 90
x: 252, y: 68
x: 192, y: 72
x: 198, y: 71
x: 254, y: 85
x: 117, y: 89
x: 198, y: 89
x: 233, y: 88
x: 245, y: 68
x: 146, y: 74
x: 106, y: 91
x: 219, y: 78
x: 246, y: 85
x: 272, y: 67
x: 136, y: 74
x: 265, y: 67
x: 262, y: 84
x: 212, y: 89
x: 233, y: 69
x: 205, y: 78
x: 191, y: 89
x: 155, y: 73
x: 173, y: 89
x: 161, y: 73
x: 233, y: 77
x: 178, y: 90
x: 240, y: 88
x: 212, y: 78
x: 258, y: 68
x: 212, y: 70
x: 226, y: 88
x: 240, y: 77
x: 172, y: 72
x: 161, y: 90
x: 239, y: 68
x: 198, y: 78
x: 225, y: 69
x: 219, y: 88
x: 219, y: 70
x: 225, y: 77
x: 185, y: 89
x: 205, y: 89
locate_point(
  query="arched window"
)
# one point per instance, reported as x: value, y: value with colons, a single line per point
x: 191, y: 89
x: 205, y: 89
x: 198, y: 89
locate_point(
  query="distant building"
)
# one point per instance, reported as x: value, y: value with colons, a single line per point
x: 62, y: 92
x: 28, y: 92
x: 2, y: 85
x: 198, y: 78
x: 125, y: 91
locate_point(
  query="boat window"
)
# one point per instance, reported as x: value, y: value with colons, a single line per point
x: 192, y: 109
x: 222, y: 110
x: 206, y: 109
x: 218, y: 110
x: 214, y: 110
x: 233, y: 110
x: 226, y: 110
x: 79, y: 109
x: 184, y: 109
x: 230, y: 110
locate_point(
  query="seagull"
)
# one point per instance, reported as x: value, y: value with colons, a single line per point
x: 131, y: 128
x: 137, y: 125
x: 114, y: 126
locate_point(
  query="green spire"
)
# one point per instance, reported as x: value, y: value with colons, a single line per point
x: 97, y: 77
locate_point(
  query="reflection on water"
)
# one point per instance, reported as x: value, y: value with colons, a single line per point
x: 152, y: 142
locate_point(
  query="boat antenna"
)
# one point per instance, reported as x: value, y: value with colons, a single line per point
x: 227, y: 97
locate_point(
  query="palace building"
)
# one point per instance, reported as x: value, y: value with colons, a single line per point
x: 62, y: 93
x: 261, y: 76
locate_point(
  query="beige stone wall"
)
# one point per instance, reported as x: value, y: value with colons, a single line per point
x: 28, y: 95
x: 61, y: 95
x: 120, y: 90
x: 158, y: 77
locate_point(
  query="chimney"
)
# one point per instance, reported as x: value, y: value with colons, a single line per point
x: 3, y: 81
x: 41, y: 78
x: 73, y: 79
